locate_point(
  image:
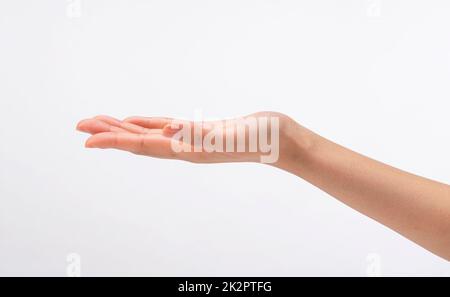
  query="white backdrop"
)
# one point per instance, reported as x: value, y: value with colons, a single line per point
x: 372, y: 75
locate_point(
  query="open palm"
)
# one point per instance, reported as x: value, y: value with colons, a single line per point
x: 154, y: 136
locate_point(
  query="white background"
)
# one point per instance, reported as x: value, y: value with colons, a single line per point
x: 371, y: 75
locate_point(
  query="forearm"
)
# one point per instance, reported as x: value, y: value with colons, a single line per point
x: 416, y: 207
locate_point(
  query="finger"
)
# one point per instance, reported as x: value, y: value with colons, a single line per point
x: 196, y: 129
x: 110, y: 120
x: 94, y: 126
x: 133, y: 128
x: 149, y: 122
x: 143, y: 144
x: 124, y: 141
x: 176, y: 125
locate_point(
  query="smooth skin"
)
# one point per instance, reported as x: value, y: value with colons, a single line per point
x: 416, y: 207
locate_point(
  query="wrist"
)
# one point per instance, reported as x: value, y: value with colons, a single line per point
x: 296, y: 146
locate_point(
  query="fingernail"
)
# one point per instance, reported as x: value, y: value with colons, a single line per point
x: 78, y: 128
x: 88, y: 144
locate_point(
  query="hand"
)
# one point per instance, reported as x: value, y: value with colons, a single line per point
x: 207, y: 142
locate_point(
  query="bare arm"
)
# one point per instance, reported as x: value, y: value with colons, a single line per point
x: 416, y: 207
